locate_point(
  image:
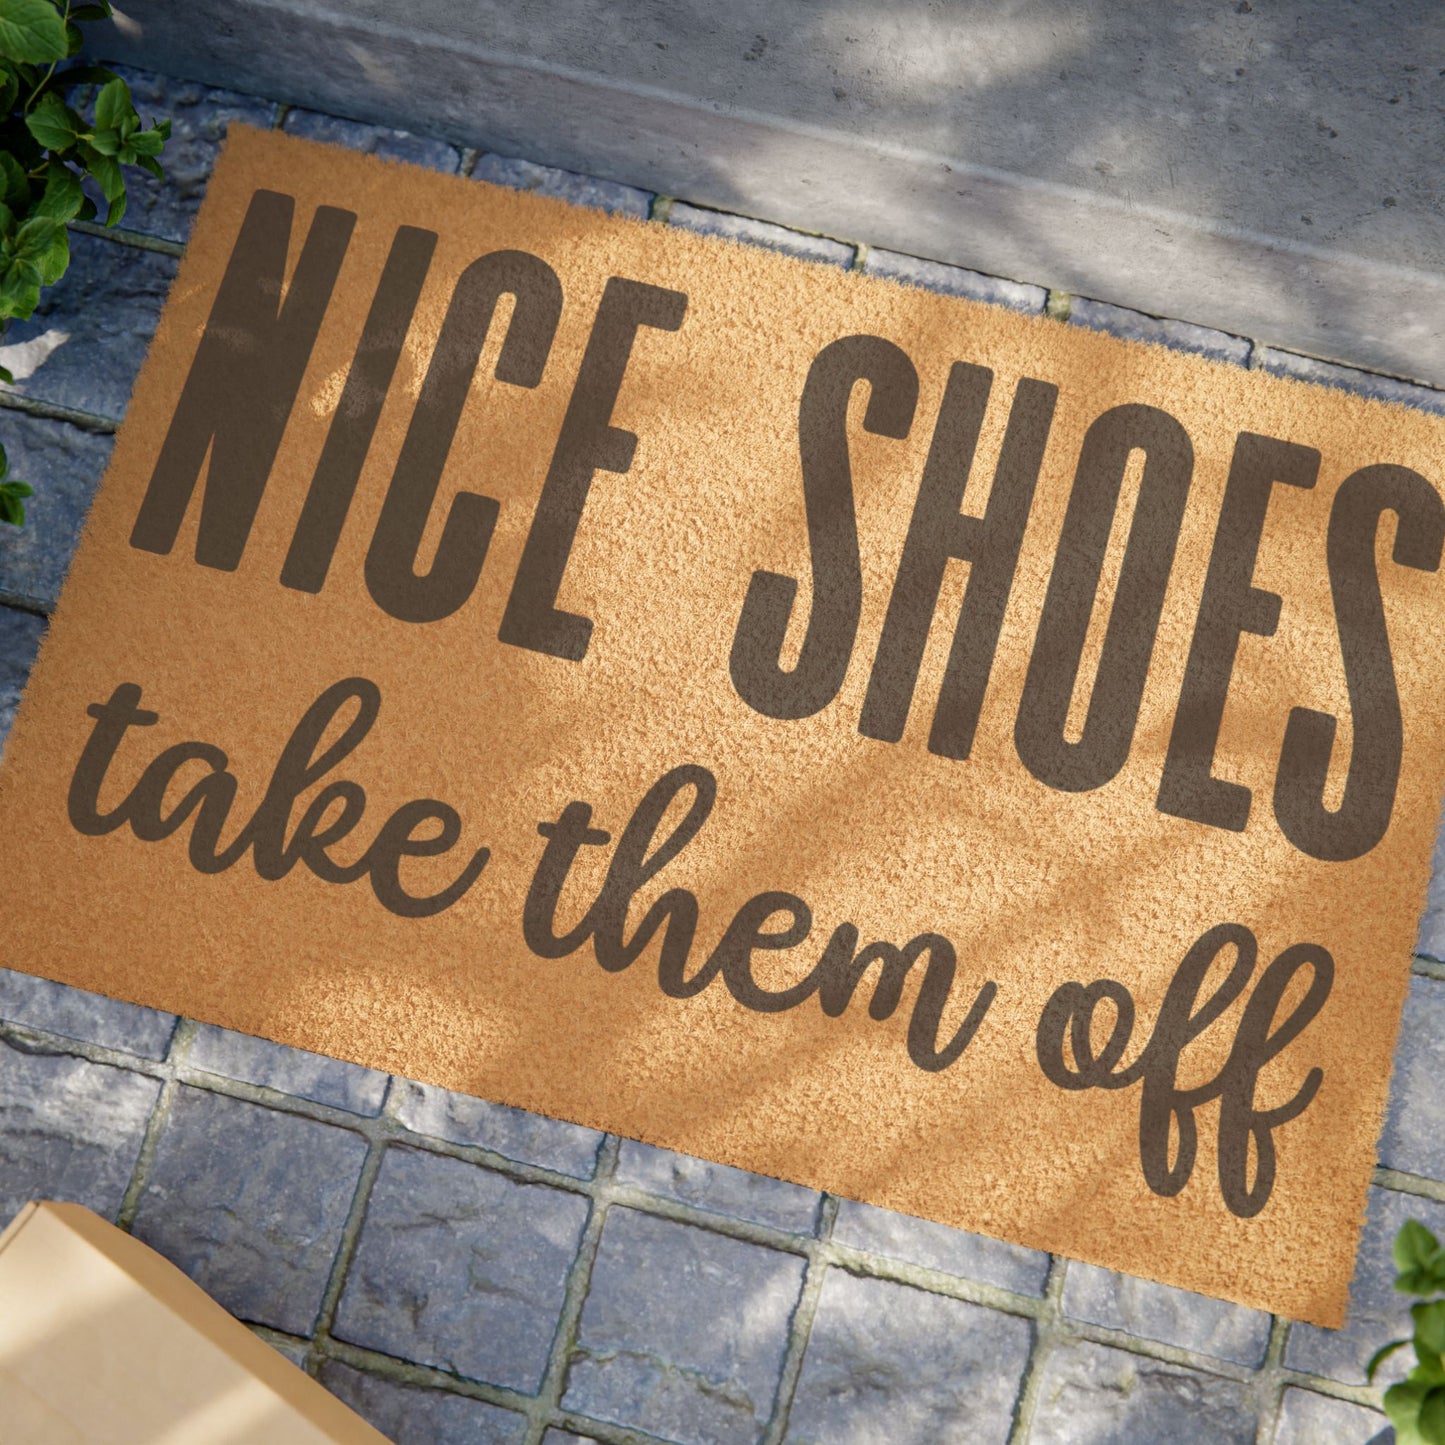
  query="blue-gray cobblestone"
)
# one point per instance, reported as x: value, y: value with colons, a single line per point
x: 1431, y: 941
x: 90, y: 1017
x: 1306, y: 1418
x: 1178, y: 335
x: 414, y: 1415
x: 520, y: 175
x: 199, y: 117
x: 887, y: 1362
x: 85, y: 343
x: 684, y: 1331
x: 1378, y: 1313
x: 461, y: 1268
x: 718, y: 1187
x: 760, y: 233
x: 1414, y: 1134
x: 20, y: 634
x: 64, y: 464
x: 936, y: 1246
x: 1171, y: 1316
x: 1093, y: 1395
x: 290, y: 1071
x: 250, y: 1202
x: 1346, y: 378
x: 376, y: 140
x: 953, y: 280
x: 69, y: 1129
x: 513, y: 1133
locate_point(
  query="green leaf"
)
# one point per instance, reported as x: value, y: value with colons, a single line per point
x: 12, y: 510
x: 63, y: 196
x: 91, y: 12
x: 1402, y: 1405
x: 17, y: 489
x: 56, y: 259
x: 9, y: 89
x: 113, y: 105
x: 8, y: 378
x: 1432, y: 1417
x: 52, y: 122
x: 7, y: 221
x: 1380, y: 1356
x: 151, y: 164
x: 35, y: 237
x: 14, y: 187
x: 116, y: 210
x: 107, y: 142
x: 31, y: 30
x: 1430, y: 1326
x: 147, y: 142
x: 4, y: 460
x: 87, y: 210
x: 1414, y: 1246
x: 73, y: 39
x: 106, y: 172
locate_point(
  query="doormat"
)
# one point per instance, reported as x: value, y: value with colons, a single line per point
x: 940, y: 756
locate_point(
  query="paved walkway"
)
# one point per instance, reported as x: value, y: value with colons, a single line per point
x: 463, y: 1272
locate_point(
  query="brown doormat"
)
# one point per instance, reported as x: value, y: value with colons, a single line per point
x: 936, y: 755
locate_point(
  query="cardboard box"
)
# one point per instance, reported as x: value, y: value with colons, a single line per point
x: 103, y: 1342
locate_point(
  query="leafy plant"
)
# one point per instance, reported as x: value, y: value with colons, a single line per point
x: 1416, y: 1406
x: 46, y: 151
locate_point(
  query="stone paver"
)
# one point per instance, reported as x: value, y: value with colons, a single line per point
x: 1432, y: 924
x: 886, y: 1362
x: 953, y: 280
x: 513, y: 1133
x: 461, y: 1268
x: 20, y: 634
x: 85, y: 343
x: 1171, y: 1316
x: 936, y: 1246
x: 376, y: 140
x: 289, y: 1071
x: 718, y: 1187
x: 1378, y: 1313
x: 64, y: 464
x: 1346, y: 378
x: 1414, y: 1134
x: 90, y: 1017
x: 199, y: 117
x: 1306, y: 1418
x: 413, y: 1415
x: 250, y: 1203
x: 1093, y: 1395
x: 684, y: 1331
x: 69, y: 1130
x: 1178, y: 335
x: 760, y: 233
x: 522, y: 175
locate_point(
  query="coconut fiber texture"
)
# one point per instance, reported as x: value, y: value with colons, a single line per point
x: 932, y: 754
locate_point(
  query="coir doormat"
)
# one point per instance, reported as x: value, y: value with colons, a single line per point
x: 936, y: 755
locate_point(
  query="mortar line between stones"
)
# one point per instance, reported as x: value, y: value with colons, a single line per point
x: 468, y: 162
x: 18, y: 603
x: 1425, y: 967
x: 179, y: 1047
x: 49, y: 411
x: 1045, y: 1326
x: 346, y: 1245
x: 385, y: 1129
x: 800, y: 1327
x: 1269, y: 1387
x: 547, y: 1407
x: 124, y: 236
